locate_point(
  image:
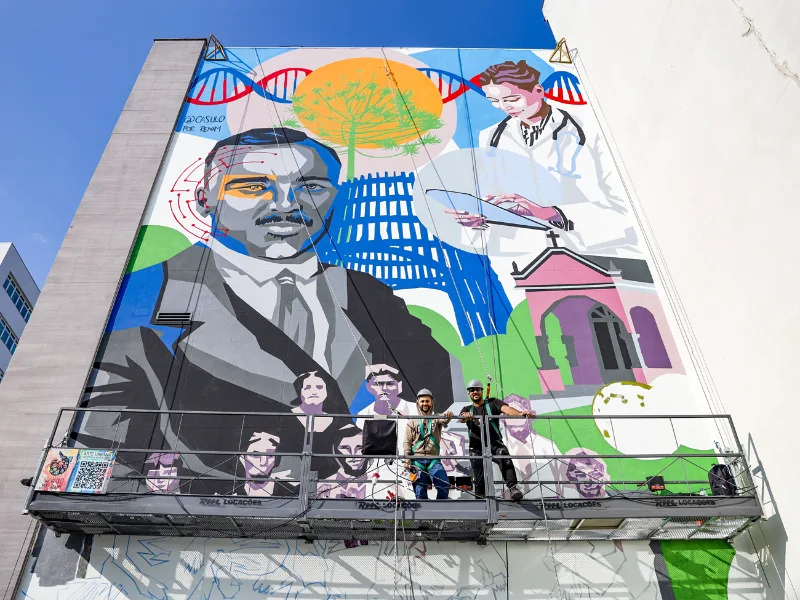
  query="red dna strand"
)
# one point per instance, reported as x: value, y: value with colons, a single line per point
x: 225, y: 84
x: 450, y: 85
x: 563, y: 87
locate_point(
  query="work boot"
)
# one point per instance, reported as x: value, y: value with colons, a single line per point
x: 516, y: 493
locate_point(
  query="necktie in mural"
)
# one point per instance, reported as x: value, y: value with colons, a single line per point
x: 292, y: 314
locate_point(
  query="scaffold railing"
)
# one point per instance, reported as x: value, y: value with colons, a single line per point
x: 296, y: 475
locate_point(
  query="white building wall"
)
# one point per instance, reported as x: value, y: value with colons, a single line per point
x: 10, y: 262
x: 703, y: 101
x: 141, y: 568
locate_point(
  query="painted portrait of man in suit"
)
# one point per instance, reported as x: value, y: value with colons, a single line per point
x: 259, y: 309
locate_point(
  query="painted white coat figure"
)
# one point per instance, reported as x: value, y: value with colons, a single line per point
x: 590, y: 188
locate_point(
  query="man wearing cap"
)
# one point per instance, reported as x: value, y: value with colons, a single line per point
x: 472, y: 416
x: 424, y: 438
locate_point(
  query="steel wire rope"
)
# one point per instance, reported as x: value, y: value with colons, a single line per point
x: 706, y: 380
x: 433, y: 222
x: 314, y: 246
x: 397, y: 466
x: 347, y: 273
x: 436, y: 171
x: 743, y: 490
x: 199, y: 278
x: 207, y: 257
x: 339, y: 304
x: 390, y: 78
x: 408, y: 560
x: 388, y: 71
x: 486, y: 267
x: 396, y: 512
x: 665, y: 276
x: 176, y: 363
x: 546, y: 524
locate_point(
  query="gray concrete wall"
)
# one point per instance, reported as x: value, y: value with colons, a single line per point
x: 51, y: 365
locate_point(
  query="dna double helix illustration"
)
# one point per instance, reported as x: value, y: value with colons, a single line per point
x: 563, y: 87
x: 450, y: 85
x: 225, y: 84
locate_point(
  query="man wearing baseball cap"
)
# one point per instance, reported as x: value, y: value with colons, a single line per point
x: 424, y: 438
x: 472, y: 416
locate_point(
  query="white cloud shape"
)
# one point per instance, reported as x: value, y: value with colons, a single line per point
x: 668, y: 395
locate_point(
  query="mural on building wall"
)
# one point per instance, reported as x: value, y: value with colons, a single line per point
x: 335, y: 229
x: 212, y: 569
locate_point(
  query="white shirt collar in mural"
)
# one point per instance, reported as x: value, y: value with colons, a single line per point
x: 262, y: 270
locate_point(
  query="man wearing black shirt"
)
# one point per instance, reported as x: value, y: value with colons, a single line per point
x: 472, y: 416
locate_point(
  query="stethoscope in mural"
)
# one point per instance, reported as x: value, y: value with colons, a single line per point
x: 226, y: 84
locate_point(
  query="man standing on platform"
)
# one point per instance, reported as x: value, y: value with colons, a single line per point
x: 472, y: 416
x: 424, y: 438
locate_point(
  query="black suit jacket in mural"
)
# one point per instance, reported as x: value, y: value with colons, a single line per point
x: 231, y: 358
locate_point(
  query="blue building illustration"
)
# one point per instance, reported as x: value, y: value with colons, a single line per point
x: 375, y: 230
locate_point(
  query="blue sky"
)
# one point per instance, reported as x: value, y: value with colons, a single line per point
x: 69, y: 67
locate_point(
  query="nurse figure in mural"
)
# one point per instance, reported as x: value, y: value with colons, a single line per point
x: 555, y: 140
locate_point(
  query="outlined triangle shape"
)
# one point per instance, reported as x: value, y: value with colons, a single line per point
x: 561, y: 53
x: 216, y: 51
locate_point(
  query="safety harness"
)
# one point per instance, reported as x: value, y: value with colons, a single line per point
x: 426, y: 429
x: 494, y: 423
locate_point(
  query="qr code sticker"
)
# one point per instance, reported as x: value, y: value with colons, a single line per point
x: 91, y: 476
x: 92, y: 472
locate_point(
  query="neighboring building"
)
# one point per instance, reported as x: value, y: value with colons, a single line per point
x: 212, y: 341
x: 17, y: 300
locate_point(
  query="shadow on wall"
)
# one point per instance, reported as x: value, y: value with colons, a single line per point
x: 768, y: 538
x: 185, y: 568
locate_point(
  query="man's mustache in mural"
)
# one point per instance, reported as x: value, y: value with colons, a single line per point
x: 297, y: 217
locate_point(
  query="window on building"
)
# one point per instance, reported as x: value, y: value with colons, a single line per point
x: 1, y: 375
x: 612, y: 339
x: 17, y: 297
x: 7, y: 336
x: 654, y: 353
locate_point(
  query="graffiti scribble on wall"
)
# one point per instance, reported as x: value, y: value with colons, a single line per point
x: 193, y: 568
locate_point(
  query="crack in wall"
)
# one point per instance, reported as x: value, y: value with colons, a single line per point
x: 782, y: 67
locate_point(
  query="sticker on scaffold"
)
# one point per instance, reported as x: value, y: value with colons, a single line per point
x: 57, y: 470
x: 92, y: 472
